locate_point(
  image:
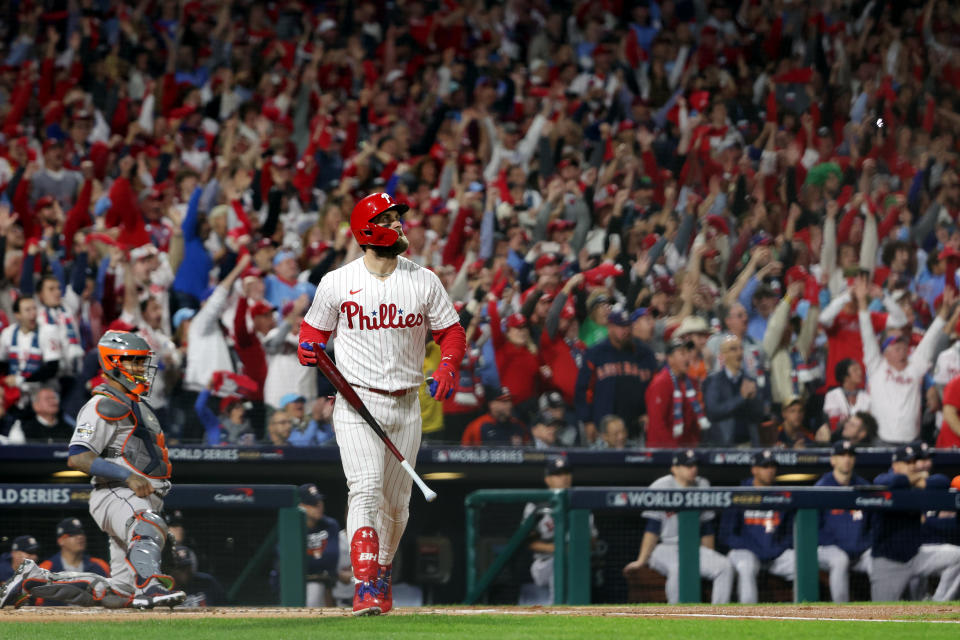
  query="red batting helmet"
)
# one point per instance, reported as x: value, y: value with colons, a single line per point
x: 365, y: 211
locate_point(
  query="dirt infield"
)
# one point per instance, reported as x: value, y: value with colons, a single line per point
x: 866, y: 612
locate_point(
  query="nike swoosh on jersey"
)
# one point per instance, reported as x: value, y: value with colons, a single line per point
x: 357, y: 291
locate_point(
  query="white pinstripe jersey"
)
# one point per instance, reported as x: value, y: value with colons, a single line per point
x: 381, y: 325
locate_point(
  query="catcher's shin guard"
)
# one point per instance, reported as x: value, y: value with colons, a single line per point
x: 148, y: 535
x: 364, y: 550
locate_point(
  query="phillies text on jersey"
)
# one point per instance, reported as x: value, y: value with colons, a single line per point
x: 381, y: 325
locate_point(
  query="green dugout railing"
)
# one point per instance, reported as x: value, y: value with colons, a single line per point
x: 571, y: 513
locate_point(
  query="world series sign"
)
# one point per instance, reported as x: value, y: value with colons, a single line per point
x: 874, y: 498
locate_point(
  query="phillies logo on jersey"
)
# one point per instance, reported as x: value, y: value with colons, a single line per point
x: 389, y: 316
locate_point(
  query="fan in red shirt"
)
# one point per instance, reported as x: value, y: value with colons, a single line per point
x: 669, y: 390
x: 843, y: 333
x: 517, y: 360
x: 950, y: 429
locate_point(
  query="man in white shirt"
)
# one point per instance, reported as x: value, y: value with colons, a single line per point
x: 895, y: 376
x: 849, y: 398
x: 51, y: 312
x: 284, y: 372
x: 207, y: 347
x: 31, y: 352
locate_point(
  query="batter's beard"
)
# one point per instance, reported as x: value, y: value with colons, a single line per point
x: 393, y: 250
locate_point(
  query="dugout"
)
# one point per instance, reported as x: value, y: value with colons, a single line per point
x: 571, y: 508
x: 434, y: 548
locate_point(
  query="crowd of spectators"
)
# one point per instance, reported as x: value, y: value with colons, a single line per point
x: 686, y: 222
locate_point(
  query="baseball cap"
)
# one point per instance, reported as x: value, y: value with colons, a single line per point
x: 69, y: 527
x: 143, y: 251
x: 290, y: 398
x: 44, y: 201
x: 923, y: 449
x: 843, y: 447
x: 557, y: 465
x: 182, y: 314
x: 792, y: 400
x: 638, y: 313
x: 548, y: 419
x: 619, y: 318
x: 309, y: 494
x: 692, y: 325
x: 905, y: 453
x: 283, y: 255
x: 184, y: 557
x: 596, y: 301
x: 174, y: 518
x: 551, y: 400
x: 685, y: 458
x: 27, y: 544
x: 259, y: 308
x: 517, y: 321
x: 889, y: 341
x: 763, y: 458
x: 546, y: 260
x: 678, y: 343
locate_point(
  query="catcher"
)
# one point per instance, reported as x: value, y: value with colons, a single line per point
x: 118, y: 441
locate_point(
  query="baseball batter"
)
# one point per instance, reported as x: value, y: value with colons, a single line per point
x: 119, y: 442
x: 660, y: 545
x: 380, y: 307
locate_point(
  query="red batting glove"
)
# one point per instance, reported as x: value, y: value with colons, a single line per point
x: 306, y: 355
x: 444, y: 381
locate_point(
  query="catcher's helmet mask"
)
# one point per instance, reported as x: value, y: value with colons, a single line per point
x: 119, y: 353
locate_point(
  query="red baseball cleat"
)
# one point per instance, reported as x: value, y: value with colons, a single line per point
x: 365, y: 602
x: 385, y: 588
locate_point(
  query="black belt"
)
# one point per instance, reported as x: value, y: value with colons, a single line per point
x: 116, y: 484
x: 396, y: 394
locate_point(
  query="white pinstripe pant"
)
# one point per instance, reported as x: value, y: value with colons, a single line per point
x: 379, y: 488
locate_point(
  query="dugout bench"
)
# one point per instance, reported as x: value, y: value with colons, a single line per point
x: 571, y: 509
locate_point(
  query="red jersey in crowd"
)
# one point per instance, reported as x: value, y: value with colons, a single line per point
x: 660, y: 415
x: 843, y: 340
x: 951, y: 396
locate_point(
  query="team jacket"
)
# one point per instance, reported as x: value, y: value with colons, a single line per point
x: 941, y: 527
x: 897, y: 535
x: 323, y: 548
x: 614, y: 381
x: 124, y: 432
x: 847, y: 529
x: 766, y: 532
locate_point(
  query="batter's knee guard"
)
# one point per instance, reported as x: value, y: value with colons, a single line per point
x: 147, y: 533
x: 364, y: 552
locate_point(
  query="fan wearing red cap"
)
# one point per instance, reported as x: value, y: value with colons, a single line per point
x: 381, y: 306
x: 560, y: 346
x: 517, y: 355
x: 230, y: 425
